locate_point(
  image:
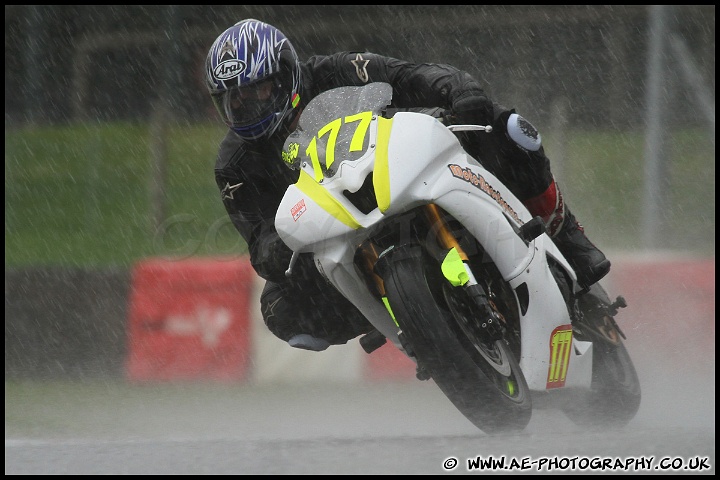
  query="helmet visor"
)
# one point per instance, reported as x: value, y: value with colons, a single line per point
x: 248, y: 105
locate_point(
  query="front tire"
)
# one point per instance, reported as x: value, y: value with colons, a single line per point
x: 482, y: 380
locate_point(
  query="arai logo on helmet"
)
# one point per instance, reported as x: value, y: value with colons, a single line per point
x: 229, y: 69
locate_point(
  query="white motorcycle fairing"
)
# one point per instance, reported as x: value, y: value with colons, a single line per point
x: 414, y: 159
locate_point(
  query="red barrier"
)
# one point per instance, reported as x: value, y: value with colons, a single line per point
x: 670, y: 317
x: 190, y: 320
x: 388, y: 363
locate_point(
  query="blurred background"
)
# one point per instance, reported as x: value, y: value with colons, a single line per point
x: 110, y: 137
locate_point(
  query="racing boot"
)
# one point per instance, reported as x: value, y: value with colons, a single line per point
x: 589, y: 263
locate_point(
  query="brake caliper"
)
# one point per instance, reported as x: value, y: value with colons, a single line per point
x: 481, y: 310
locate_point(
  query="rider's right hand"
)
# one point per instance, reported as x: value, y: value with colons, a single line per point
x: 472, y: 109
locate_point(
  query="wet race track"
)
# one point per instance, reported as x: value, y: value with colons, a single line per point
x: 384, y: 428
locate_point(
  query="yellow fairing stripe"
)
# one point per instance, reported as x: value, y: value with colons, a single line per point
x: 319, y: 195
x: 381, y: 175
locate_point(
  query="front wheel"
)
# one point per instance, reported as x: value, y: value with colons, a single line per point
x: 482, y: 379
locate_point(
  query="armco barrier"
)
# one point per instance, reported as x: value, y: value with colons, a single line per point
x: 199, y: 319
x: 168, y: 320
x: 65, y: 322
x: 190, y: 320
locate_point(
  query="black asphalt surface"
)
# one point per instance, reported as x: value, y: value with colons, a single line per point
x: 338, y: 428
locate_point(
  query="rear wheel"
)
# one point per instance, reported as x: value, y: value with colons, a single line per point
x: 480, y: 376
x: 614, y: 397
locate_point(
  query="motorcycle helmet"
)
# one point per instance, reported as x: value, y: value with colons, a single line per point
x: 253, y: 76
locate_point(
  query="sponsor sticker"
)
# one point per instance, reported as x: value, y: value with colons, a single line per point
x: 560, y: 344
x: 298, y: 209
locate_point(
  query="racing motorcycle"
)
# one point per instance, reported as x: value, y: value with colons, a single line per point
x: 449, y: 265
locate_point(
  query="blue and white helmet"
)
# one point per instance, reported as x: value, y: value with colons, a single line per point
x: 253, y: 76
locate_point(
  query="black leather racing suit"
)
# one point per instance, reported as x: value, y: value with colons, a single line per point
x: 252, y: 179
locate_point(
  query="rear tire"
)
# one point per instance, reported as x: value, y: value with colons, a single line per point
x: 614, y: 397
x: 484, y: 382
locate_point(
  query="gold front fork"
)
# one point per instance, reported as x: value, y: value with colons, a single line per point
x: 444, y: 237
x: 369, y: 255
x: 442, y: 231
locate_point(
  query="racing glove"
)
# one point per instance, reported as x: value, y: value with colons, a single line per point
x: 472, y: 108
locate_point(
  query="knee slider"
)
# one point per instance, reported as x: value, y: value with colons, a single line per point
x: 276, y: 312
x: 523, y: 133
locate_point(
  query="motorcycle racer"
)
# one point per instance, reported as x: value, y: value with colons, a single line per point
x: 260, y: 87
